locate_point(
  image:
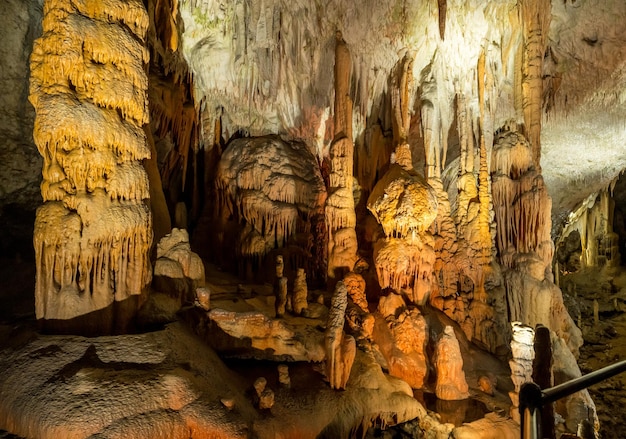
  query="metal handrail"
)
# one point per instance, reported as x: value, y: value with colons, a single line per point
x: 532, y: 398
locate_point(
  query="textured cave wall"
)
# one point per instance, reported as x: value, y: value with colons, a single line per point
x: 20, y: 173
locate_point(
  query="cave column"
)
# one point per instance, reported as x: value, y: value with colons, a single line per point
x: 340, y: 213
x: 94, y: 231
x: 536, y: 22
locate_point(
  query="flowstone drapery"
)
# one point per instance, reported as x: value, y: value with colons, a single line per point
x: 94, y: 231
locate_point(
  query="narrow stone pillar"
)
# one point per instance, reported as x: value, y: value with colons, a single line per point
x: 340, y: 213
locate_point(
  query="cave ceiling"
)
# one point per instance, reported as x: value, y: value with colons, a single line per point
x: 266, y: 66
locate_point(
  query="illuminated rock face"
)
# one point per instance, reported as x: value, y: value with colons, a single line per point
x: 405, y: 206
x: 93, y: 232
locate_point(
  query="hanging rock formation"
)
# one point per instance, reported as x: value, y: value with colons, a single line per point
x: 522, y: 207
x: 94, y: 231
x: 405, y: 206
x: 269, y: 194
x: 593, y: 220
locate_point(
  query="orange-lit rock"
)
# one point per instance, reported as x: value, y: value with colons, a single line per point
x: 405, y: 205
x: 269, y: 192
x: 402, y: 335
x: 94, y: 231
x: 448, y: 362
x: 340, y: 214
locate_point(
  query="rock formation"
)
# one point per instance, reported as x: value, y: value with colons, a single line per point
x: 402, y: 336
x: 94, y: 231
x: 448, y: 362
x: 299, y: 295
x: 521, y: 363
x: 405, y: 206
x: 593, y: 221
x: 521, y: 203
x: 340, y: 347
x: 340, y: 214
x: 270, y: 192
x: 252, y: 124
x: 280, y: 289
x: 177, y: 271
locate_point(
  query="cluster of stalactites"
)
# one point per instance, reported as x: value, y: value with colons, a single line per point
x: 521, y: 202
x: 272, y: 186
x: 406, y: 207
x: 89, y: 89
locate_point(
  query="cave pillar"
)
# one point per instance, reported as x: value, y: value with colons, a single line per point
x: 93, y: 232
x: 535, y: 16
x: 340, y: 212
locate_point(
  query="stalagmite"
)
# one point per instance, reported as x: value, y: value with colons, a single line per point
x: 340, y: 347
x: 340, y: 214
x: 451, y: 383
x: 299, y: 302
x: 280, y: 288
x: 521, y: 363
x: 405, y: 348
x: 94, y: 231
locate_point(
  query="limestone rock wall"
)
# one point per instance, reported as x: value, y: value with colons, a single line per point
x: 94, y: 231
x: 21, y: 171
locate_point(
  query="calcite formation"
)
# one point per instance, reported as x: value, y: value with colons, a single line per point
x: 299, y: 294
x: 340, y: 214
x: 521, y: 204
x: 593, y: 221
x: 94, y: 231
x: 521, y: 362
x: 340, y: 347
x: 403, y: 340
x: 178, y: 271
x: 451, y: 383
x: 405, y: 206
x: 270, y: 192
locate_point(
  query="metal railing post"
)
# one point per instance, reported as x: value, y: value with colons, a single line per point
x: 532, y: 398
x: 530, y: 404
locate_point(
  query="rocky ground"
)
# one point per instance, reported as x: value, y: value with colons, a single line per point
x: 605, y: 338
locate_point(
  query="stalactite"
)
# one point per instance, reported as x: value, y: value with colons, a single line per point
x: 593, y: 220
x: 521, y: 201
x: 340, y: 213
x: 536, y: 21
x: 442, y: 6
x: 93, y: 233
